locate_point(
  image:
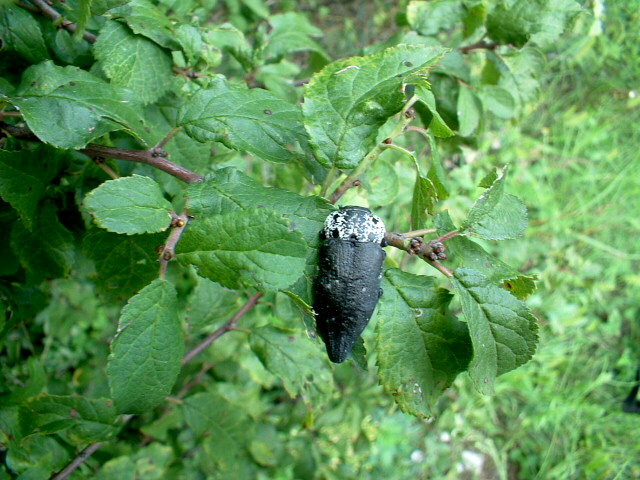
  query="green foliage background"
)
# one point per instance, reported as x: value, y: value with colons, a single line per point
x: 570, y: 142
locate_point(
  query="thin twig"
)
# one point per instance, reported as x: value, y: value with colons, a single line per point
x: 53, y: 15
x: 447, y: 236
x: 160, y: 145
x: 10, y: 114
x: 481, y: 45
x: 419, y: 233
x: 227, y: 327
x: 179, y: 223
x: 76, y: 462
x: 106, y: 168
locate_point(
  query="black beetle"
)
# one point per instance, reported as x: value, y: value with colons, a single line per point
x: 347, y: 287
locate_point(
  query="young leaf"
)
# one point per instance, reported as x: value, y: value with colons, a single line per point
x: 421, y: 347
x: 496, y: 215
x: 137, y: 63
x: 503, y: 331
x: 290, y: 356
x: 424, y: 198
x: 68, y: 107
x: 469, y: 254
x: 124, y: 263
x: 147, y: 350
x: 130, y: 205
x: 246, y: 248
x: 437, y: 124
x: 24, y: 176
x: 348, y: 101
x: 250, y: 120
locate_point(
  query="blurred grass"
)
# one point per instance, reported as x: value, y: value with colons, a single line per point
x: 575, y: 161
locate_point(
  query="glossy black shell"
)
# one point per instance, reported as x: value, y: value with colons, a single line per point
x: 347, y: 287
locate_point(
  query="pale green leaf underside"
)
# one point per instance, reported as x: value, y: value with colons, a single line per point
x: 421, y: 349
x: 147, y: 349
x: 246, y: 248
x: 249, y: 120
x: 130, y: 205
x: 503, y: 331
x: 68, y: 107
x: 348, y: 101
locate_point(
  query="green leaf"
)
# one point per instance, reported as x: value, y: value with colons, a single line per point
x: 47, y: 250
x: 424, y: 198
x: 289, y: 355
x: 348, y: 101
x: 428, y: 18
x: 291, y: 32
x: 24, y: 176
x: 35, y: 384
x: 251, y: 120
x: 229, y: 190
x: 124, y: 263
x: 474, y: 18
x: 519, y: 71
x: 421, y: 347
x: 247, y: 248
x: 130, y: 205
x: 210, y: 305
x: 210, y: 414
x: 437, y: 124
x: 498, y: 101
x: 503, y: 331
x: 469, y: 111
x: 146, y: 19
x: 496, y: 215
x: 229, y: 39
x: 147, y: 350
x: 133, y: 62
x: 436, y: 172
x: 464, y: 252
x: 151, y: 462
x: 19, y: 31
x: 68, y: 107
x: 541, y: 21
x: 85, y: 420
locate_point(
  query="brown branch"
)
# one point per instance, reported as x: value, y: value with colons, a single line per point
x: 481, y: 45
x: 227, y: 327
x: 154, y: 157
x: 53, y: 15
x: 342, y: 189
x: 431, y: 251
x: 179, y: 223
